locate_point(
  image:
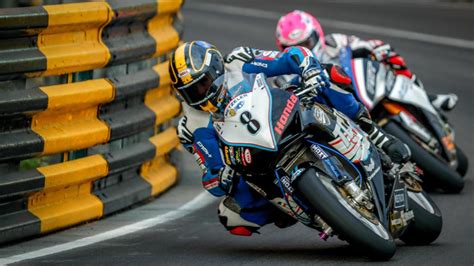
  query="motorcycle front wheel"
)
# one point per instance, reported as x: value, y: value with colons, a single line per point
x: 369, y: 235
x: 436, y: 172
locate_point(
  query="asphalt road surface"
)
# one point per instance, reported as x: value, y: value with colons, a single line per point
x: 437, y: 41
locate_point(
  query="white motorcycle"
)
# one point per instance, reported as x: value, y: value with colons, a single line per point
x: 402, y: 107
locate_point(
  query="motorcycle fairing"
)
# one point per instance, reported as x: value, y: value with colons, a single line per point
x: 368, y: 78
x: 372, y: 88
x: 405, y: 91
x: 254, y: 110
x: 341, y: 132
x: 373, y: 82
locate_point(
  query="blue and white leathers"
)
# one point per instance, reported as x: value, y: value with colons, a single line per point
x: 198, y: 136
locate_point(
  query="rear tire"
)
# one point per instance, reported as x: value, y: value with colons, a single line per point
x: 428, y: 220
x: 463, y: 162
x: 435, y: 171
x: 314, y: 188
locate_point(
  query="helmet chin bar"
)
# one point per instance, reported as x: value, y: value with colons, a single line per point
x: 208, y: 107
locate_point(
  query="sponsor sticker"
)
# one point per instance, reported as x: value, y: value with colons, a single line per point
x: 390, y: 81
x: 370, y: 166
x: 297, y: 173
x: 285, y: 181
x: 232, y: 157
x: 218, y: 127
x: 319, y: 152
x: 238, y: 158
x: 399, y: 198
x: 236, y: 104
x: 208, y: 59
x: 295, y: 33
x: 284, y: 117
x: 247, y: 156
x: 204, y: 149
x: 272, y: 54
x: 184, y: 73
x: 227, y: 155
x: 321, y: 116
x: 260, y: 64
x: 371, y: 71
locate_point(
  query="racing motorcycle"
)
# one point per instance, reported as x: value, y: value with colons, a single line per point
x: 402, y: 107
x: 316, y: 166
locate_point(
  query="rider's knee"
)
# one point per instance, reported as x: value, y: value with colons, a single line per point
x: 229, y: 216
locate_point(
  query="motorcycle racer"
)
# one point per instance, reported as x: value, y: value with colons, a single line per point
x: 302, y: 29
x: 194, y: 70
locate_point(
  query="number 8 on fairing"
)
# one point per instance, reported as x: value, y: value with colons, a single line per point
x: 252, y: 125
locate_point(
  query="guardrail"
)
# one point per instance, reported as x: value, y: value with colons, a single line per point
x: 85, y: 86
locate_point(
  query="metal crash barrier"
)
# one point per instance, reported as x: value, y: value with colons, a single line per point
x: 85, y: 104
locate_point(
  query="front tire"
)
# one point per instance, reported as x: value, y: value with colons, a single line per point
x: 320, y: 192
x: 428, y: 220
x: 442, y: 176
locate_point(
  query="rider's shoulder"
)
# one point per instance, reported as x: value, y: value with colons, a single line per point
x: 337, y: 40
x: 195, y: 119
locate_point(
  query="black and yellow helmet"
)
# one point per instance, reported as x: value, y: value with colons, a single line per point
x: 194, y: 69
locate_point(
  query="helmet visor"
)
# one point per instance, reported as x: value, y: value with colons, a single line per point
x: 309, y: 43
x: 200, y: 90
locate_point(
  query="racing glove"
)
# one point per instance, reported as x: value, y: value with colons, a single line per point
x: 243, y: 54
x: 217, y: 176
x: 184, y: 134
x: 219, y: 182
x: 385, y: 54
x: 226, y: 178
x: 314, y: 80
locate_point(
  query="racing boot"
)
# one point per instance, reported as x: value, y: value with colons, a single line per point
x: 398, y: 151
x: 229, y: 216
x: 445, y: 102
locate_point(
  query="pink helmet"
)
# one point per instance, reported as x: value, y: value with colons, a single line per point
x: 299, y: 28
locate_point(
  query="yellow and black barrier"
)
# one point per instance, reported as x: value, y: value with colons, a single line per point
x: 67, y: 116
x: 60, y: 39
x: 86, y: 83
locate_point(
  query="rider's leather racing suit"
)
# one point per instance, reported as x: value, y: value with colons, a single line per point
x: 380, y: 51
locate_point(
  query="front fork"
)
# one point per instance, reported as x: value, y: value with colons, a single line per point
x: 296, y: 165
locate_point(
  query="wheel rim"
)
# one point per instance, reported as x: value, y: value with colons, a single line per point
x: 422, y: 201
x: 378, y: 229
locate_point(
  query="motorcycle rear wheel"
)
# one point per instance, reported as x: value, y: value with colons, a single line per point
x: 463, y: 162
x: 320, y: 192
x: 428, y: 220
x: 436, y: 172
